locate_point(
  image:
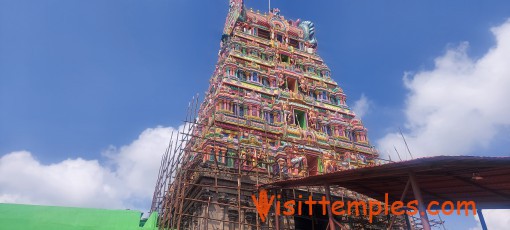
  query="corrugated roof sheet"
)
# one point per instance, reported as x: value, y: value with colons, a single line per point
x: 485, y: 180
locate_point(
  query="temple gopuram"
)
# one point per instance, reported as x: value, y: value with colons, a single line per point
x: 272, y: 112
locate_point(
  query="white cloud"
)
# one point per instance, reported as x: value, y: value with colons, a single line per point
x: 495, y: 219
x: 460, y: 105
x: 127, y: 181
x: 361, y: 106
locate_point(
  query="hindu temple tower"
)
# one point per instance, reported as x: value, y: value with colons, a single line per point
x: 272, y: 112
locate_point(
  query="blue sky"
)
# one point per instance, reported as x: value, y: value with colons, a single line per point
x: 78, y: 77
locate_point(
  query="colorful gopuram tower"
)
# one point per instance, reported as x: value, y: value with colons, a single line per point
x: 272, y: 112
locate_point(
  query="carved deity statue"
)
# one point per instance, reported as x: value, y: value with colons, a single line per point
x: 252, y: 154
x: 281, y: 80
x: 290, y: 119
x: 297, y: 162
x: 303, y: 84
x: 312, y: 119
x: 280, y: 167
x: 328, y: 162
x: 261, y: 159
x: 243, y: 157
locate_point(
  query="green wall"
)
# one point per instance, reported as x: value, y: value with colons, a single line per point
x: 16, y: 216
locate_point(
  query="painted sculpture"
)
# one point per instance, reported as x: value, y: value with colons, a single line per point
x: 274, y: 104
x: 272, y: 112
